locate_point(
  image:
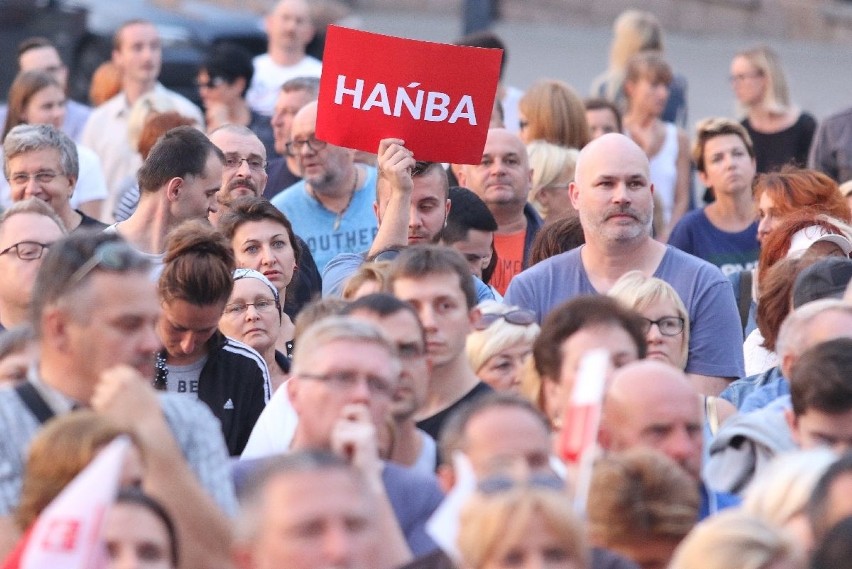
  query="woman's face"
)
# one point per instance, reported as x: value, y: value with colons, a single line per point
x: 244, y: 320
x: 136, y: 538
x: 661, y: 347
x: 46, y: 107
x: 541, y: 548
x: 265, y: 247
x: 502, y: 371
x: 768, y: 216
x: 648, y: 95
x: 748, y: 82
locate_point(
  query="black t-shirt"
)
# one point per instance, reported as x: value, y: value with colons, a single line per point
x: 433, y: 425
x: 791, y: 145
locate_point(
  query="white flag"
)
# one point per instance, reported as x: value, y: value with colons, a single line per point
x: 67, y: 534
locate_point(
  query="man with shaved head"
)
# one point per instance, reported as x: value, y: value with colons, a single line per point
x: 503, y: 179
x: 651, y: 404
x: 613, y: 195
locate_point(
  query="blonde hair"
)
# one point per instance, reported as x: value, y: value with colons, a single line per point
x: 781, y: 491
x: 481, y: 345
x: 147, y: 104
x: 768, y: 64
x: 555, y: 113
x: 636, y: 291
x: 548, y: 163
x: 735, y: 540
x: 491, y: 525
x: 376, y: 272
x: 633, y: 31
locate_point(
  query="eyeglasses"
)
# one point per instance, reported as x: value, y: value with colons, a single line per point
x: 740, y: 77
x: 260, y: 304
x: 211, y: 83
x: 519, y: 317
x: 115, y: 256
x: 314, y: 145
x: 42, y: 177
x: 499, y: 483
x: 27, y: 250
x: 347, y: 380
x: 234, y: 161
x: 667, y: 325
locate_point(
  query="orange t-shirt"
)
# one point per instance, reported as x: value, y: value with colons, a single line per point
x: 510, y: 258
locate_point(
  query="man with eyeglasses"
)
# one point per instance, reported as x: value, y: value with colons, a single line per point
x: 177, y: 182
x: 613, y: 195
x: 27, y: 229
x: 294, y: 94
x: 331, y: 208
x: 94, y: 311
x: 343, y: 381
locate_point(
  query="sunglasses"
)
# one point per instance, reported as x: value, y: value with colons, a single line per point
x: 518, y: 317
x: 113, y: 256
x: 499, y: 483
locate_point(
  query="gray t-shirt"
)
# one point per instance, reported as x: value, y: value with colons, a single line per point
x: 184, y: 379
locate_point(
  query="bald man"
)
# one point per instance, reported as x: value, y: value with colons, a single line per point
x: 613, y: 195
x: 652, y: 404
x: 503, y: 179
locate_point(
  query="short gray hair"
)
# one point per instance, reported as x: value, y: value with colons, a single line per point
x: 334, y: 329
x: 31, y: 137
x: 793, y: 332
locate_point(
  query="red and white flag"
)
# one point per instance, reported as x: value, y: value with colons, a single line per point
x: 67, y: 534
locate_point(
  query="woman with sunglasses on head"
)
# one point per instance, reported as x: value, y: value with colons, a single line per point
x: 501, y: 344
x: 262, y: 239
x: 253, y: 316
x: 520, y: 523
x: 667, y: 331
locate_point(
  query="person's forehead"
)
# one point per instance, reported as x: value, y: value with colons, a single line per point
x: 248, y: 287
x: 401, y: 326
x: 295, y: 99
x: 298, y: 496
x: 612, y: 154
x: 722, y: 142
x: 429, y: 185
x: 28, y: 226
x: 131, y: 293
x: 185, y: 314
x: 346, y: 353
x: 428, y: 287
x: 601, y: 114
x: 608, y: 335
x: 305, y: 121
x: 39, y: 158
x: 492, y: 425
x: 827, y: 325
x: 138, y: 32
x: 238, y: 143
x: 501, y: 142
x: 291, y: 8
x: 39, y: 58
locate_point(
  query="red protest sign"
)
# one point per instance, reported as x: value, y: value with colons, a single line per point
x: 436, y: 97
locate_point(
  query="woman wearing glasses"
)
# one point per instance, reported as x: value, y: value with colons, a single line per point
x: 262, y: 239
x: 253, y: 316
x: 666, y: 331
x: 501, y: 344
x: 781, y: 132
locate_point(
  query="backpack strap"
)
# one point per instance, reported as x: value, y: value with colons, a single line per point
x: 744, y: 299
x: 34, y: 401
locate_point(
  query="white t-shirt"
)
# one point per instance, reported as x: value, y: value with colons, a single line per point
x: 274, y: 430
x: 269, y: 76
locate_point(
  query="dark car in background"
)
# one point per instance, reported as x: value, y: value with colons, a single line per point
x: 83, y: 30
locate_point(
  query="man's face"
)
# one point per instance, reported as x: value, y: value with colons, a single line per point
x: 140, y: 53
x: 319, y: 167
x: 39, y: 174
x: 197, y: 195
x: 601, y: 121
x: 429, y: 207
x: 440, y: 304
x: 249, y: 176
x: 17, y: 276
x: 315, y: 519
x: 319, y: 399
x: 184, y: 329
x: 503, y: 177
x: 815, y: 428
x: 728, y: 168
x: 612, y: 190
x: 113, y: 323
x: 669, y: 420
x: 611, y: 337
x: 502, y: 438
x: 44, y: 59
x: 286, y: 107
x: 403, y: 329
x: 825, y: 326
x: 476, y: 249
x: 289, y: 25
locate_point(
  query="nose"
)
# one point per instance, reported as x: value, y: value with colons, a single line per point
x: 266, y: 256
x: 679, y: 446
x: 763, y: 227
x: 243, y: 169
x: 252, y: 313
x: 188, y: 343
x: 32, y: 189
x: 337, y: 546
x: 427, y: 317
x: 653, y: 335
x: 620, y: 194
x: 360, y: 392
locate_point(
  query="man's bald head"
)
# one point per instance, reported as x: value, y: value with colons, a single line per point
x: 652, y: 404
x: 610, y: 147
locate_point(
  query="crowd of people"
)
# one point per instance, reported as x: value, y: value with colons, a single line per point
x: 322, y: 357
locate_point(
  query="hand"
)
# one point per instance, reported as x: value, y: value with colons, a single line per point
x: 126, y: 396
x: 395, y: 163
x: 354, y: 438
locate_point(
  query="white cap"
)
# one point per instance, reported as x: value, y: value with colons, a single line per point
x: 804, y: 238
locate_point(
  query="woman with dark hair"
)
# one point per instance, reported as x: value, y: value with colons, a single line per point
x: 138, y: 532
x: 35, y: 97
x: 198, y: 360
x: 262, y: 239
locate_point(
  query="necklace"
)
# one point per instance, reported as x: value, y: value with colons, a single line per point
x: 339, y: 217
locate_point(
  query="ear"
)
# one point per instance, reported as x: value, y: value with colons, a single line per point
x: 461, y: 174
x: 293, y: 393
x: 551, y: 391
x: 793, y: 423
x: 446, y: 477
x: 240, y: 83
x: 573, y: 194
x: 787, y: 361
x: 703, y: 177
x: 376, y: 213
x: 173, y: 188
x: 54, y: 328
x: 473, y: 317
x: 447, y: 210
